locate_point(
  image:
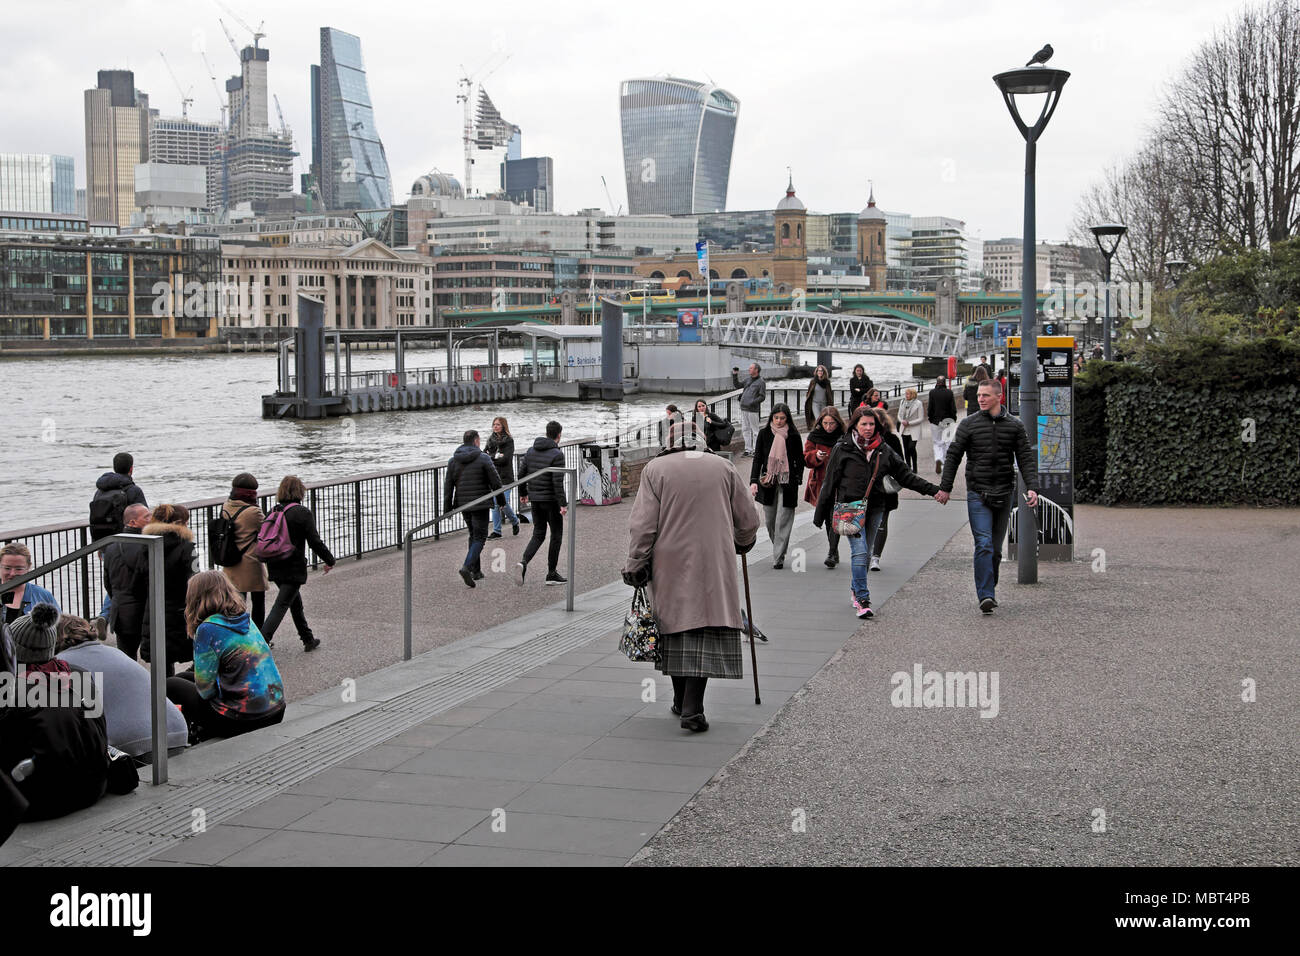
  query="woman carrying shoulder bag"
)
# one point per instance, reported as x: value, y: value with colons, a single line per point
x: 830, y: 429
x: 852, y: 494
x: 289, y: 573
x: 775, y: 477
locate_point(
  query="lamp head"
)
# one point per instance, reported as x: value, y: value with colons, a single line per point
x: 1177, y: 268
x: 1108, y: 235
x: 1027, y: 82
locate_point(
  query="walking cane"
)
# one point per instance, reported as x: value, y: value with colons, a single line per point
x: 749, y: 609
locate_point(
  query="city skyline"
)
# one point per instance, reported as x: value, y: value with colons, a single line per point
x: 940, y: 145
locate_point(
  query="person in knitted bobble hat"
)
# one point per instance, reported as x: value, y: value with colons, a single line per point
x: 34, y: 635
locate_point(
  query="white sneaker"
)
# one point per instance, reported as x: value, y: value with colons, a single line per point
x: 520, y: 568
x: 875, y: 564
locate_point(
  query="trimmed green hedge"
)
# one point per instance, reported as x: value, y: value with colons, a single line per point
x: 1168, y: 429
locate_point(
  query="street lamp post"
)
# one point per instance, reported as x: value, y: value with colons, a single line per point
x: 1028, y: 81
x: 1108, y: 235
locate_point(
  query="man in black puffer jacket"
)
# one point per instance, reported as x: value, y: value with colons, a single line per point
x: 990, y: 439
x: 471, y: 475
x: 549, y: 501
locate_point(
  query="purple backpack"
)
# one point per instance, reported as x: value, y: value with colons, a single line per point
x: 273, y: 541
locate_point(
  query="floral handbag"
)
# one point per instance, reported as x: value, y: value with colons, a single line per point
x: 848, y: 518
x: 640, y: 640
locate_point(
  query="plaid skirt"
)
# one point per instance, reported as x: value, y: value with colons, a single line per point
x: 701, y: 652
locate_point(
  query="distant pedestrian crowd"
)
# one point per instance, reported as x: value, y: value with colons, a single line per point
x: 692, y: 515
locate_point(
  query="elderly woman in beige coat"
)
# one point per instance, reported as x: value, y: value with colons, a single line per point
x: 692, y: 515
x: 249, y: 575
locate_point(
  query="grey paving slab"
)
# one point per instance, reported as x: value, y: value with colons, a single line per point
x: 391, y: 820
x: 544, y: 831
x: 527, y: 685
x: 278, y: 812
x: 556, y: 670
x: 631, y: 775
x: 428, y: 734
x: 433, y: 790
x: 689, y: 750
x: 465, y: 715
x: 592, y: 688
x: 466, y: 855
x: 336, y: 782
x: 498, y: 698
x: 486, y: 766
x: 560, y: 722
x: 649, y: 806
x: 300, y: 848
x: 666, y: 726
x: 621, y: 675
x: 579, y: 658
x: 215, y: 845
x: 505, y: 741
x: 383, y: 757
x: 571, y: 703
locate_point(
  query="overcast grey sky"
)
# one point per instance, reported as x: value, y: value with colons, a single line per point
x: 842, y: 92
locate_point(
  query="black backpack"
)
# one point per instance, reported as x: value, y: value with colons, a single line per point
x: 223, y: 550
x: 107, y: 513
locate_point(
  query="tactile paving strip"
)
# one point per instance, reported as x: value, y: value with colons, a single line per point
x: 147, y: 830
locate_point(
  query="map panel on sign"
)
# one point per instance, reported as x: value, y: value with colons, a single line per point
x: 1053, y: 444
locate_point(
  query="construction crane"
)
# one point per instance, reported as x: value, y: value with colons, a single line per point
x: 464, y: 93
x: 230, y: 37
x: 284, y: 127
x: 609, y: 197
x: 216, y: 87
x: 186, y: 99
x: 257, y: 34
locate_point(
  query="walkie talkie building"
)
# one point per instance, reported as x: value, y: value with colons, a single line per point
x: 677, y: 139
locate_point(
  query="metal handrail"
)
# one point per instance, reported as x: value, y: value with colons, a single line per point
x: 157, y: 631
x: 409, y: 536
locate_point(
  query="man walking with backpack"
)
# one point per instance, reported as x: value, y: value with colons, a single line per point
x: 990, y: 440
x: 470, y: 476
x: 113, y: 492
x: 550, y: 504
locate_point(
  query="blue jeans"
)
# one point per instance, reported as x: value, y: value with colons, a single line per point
x: 510, y: 516
x: 860, y: 548
x: 989, y: 529
x: 477, y: 521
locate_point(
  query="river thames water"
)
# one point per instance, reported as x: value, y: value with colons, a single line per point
x: 194, y: 421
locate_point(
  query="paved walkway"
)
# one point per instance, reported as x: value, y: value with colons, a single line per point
x: 535, y: 742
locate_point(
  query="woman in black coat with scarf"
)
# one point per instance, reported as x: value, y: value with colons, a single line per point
x: 859, y: 385
x: 501, y: 449
x: 776, y: 475
x: 855, y: 472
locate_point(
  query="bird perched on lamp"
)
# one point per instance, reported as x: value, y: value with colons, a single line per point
x: 1042, y: 56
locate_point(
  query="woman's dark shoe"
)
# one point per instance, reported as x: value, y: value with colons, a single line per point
x: 311, y: 644
x: 515, y: 527
x: 676, y: 708
x: 695, y: 723
x: 832, y: 559
x: 778, y: 566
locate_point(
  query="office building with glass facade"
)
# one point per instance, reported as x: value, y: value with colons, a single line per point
x: 677, y: 141
x: 37, y: 182
x: 590, y: 234
x: 348, y: 156
x: 530, y: 181
x: 108, y: 287
x: 117, y: 140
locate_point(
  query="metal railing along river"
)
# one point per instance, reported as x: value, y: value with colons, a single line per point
x: 363, y: 514
x: 355, y: 516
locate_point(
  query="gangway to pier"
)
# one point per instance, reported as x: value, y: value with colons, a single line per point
x: 836, y: 332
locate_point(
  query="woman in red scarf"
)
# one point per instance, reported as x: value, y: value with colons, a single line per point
x: 855, y: 472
